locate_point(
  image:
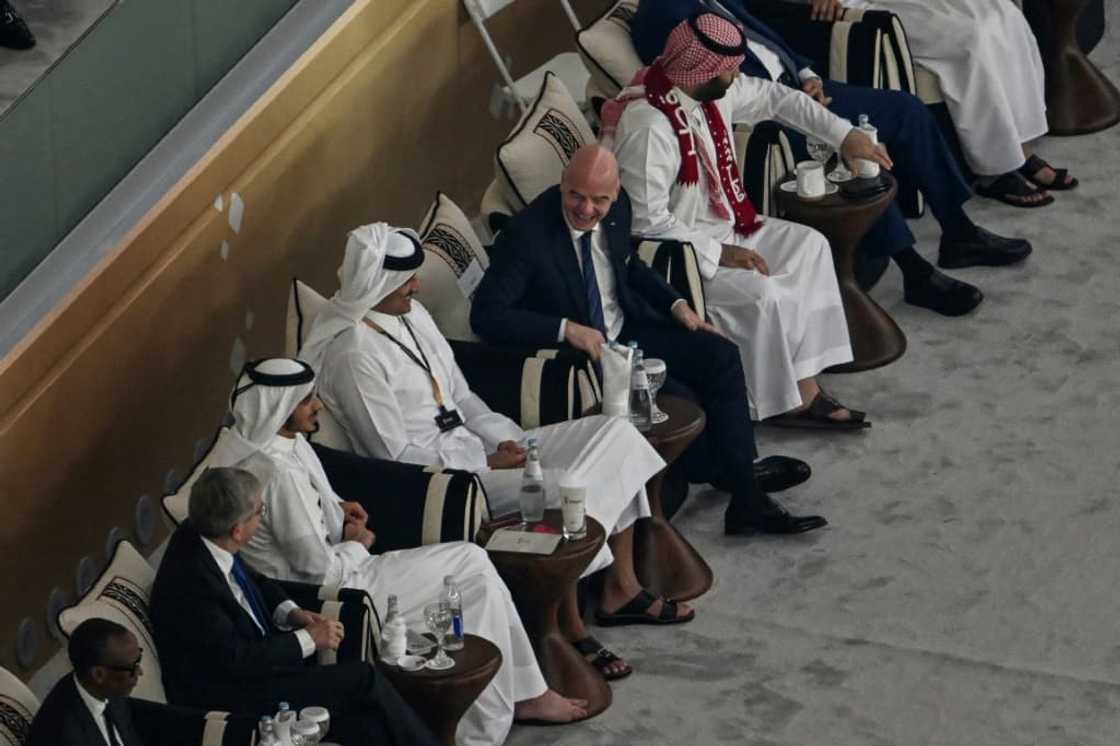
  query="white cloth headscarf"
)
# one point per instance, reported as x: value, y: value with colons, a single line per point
x: 266, y: 394
x: 364, y: 280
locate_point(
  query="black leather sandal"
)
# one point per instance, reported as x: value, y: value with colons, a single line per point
x: 1034, y: 164
x: 818, y: 416
x: 636, y: 611
x: 1009, y: 186
x: 602, y: 659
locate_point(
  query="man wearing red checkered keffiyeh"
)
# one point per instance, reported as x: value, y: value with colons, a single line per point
x: 769, y: 284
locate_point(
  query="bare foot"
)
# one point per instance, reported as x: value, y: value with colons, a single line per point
x: 551, y: 707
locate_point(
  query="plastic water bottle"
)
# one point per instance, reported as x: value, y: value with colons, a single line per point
x: 454, y: 638
x: 641, y: 399
x: 394, y: 633
x: 532, y: 486
x: 868, y: 169
x: 267, y: 732
x: 283, y: 724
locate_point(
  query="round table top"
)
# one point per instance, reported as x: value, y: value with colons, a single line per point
x: 478, y: 656
x: 686, y: 420
x: 567, y: 550
x: 793, y: 205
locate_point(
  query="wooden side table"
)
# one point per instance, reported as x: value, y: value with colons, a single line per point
x: 1079, y: 98
x: 666, y: 564
x: 441, y: 697
x: 876, y: 338
x: 539, y: 584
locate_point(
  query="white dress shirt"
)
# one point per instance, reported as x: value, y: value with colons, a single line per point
x: 604, y: 277
x: 279, y: 616
x: 97, y: 710
x: 649, y: 160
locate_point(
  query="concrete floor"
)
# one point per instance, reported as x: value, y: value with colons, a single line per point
x: 965, y: 593
x: 57, y: 25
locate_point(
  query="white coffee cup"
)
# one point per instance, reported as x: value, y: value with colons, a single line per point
x: 810, y: 180
x: 573, y: 508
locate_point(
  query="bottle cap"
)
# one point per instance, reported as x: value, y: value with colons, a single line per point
x: 632, y: 344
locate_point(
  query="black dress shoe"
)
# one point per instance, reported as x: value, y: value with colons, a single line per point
x: 943, y: 294
x: 982, y: 249
x: 777, y: 473
x: 14, y: 33
x: 770, y: 518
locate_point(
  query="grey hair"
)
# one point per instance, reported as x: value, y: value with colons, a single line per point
x: 220, y: 498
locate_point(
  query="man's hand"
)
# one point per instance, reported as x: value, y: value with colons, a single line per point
x: 815, y: 88
x: 300, y: 618
x: 583, y: 338
x: 326, y: 633
x: 355, y: 513
x: 358, y: 532
x: 858, y: 145
x: 509, y: 455
x: 827, y: 10
x: 683, y: 313
x: 737, y: 256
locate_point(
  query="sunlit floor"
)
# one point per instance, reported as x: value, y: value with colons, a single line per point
x: 966, y: 591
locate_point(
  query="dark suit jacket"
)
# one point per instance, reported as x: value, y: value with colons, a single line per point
x: 655, y: 19
x: 211, y: 652
x: 534, y: 278
x: 64, y: 720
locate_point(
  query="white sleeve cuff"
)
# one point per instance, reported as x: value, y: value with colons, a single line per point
x: 280, y: 615
x: 563, y: 328
x: 806, y: 73
x: 306, y: 644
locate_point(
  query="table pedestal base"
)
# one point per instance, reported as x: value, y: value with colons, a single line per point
x: 1079, y: 98
x: 876, y: 338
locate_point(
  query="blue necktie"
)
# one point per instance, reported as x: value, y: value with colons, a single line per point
x: 252, y: 595
x: 591, y: 285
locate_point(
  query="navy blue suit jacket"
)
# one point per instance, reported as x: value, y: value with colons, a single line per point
x: 656, y: 19
x: 534, y: 279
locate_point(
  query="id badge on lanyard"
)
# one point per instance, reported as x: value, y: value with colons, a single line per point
x: 447, y: 419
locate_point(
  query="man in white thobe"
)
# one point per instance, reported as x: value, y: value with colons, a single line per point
x: 986, y: 59
x: 389, y: 376
x: 309, y: 534
x: 778, y: 300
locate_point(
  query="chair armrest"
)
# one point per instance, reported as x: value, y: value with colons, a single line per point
x: 408, y: 505
x: 351, y: 606
x: 676, y: 262
x: 173, y: 725
x: 531, y: 387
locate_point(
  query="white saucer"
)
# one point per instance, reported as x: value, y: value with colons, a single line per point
x: 791, y: 186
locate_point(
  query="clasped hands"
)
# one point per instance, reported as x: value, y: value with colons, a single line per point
x: 588, y: 340
x: 325, y: 633
x: 354, y: 528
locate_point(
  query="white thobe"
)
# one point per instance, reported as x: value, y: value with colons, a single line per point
x: 384, y: 402
x: 986, y: 58
x: 300, y: 538
x: 789, y: 325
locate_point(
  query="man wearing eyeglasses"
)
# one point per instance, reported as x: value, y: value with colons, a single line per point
x: 89, y: 706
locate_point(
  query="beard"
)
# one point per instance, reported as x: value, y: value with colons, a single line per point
x: 713, y: 90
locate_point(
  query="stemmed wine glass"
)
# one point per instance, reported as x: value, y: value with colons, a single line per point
x: 438, y: 617
x: 655, y: 374
x: 822, y: 152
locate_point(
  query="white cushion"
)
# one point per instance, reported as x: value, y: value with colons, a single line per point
x: 304, y: 306
x: 17, y: 708
x: 543, y: 142
x: 608, y: 51
x: 453, y: 264
x: 123, y: 594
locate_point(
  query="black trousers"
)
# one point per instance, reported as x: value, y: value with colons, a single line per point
x: 709, y: 366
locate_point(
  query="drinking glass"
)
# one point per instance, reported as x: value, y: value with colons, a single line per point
x: 822, y: 152
x: 305, y: 733
x: 438, y: 617
x: 656, y: 373
x: 319, y: 715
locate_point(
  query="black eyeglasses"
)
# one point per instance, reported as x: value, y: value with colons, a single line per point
x: 132, y: 669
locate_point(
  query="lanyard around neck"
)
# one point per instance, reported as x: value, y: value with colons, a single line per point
x: 422, y: 360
